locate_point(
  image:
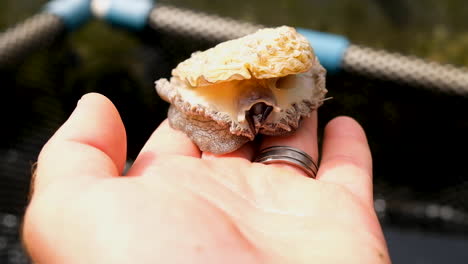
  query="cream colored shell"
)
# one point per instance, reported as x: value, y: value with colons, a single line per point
x: 212, y: 91
x: 268, y: 53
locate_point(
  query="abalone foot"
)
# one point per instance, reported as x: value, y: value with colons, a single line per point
x: 272, y: 130
x: 207, y: 134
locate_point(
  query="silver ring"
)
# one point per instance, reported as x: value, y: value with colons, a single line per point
x: 290, y: 156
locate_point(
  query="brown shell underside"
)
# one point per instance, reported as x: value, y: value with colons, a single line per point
x: 207, y: 134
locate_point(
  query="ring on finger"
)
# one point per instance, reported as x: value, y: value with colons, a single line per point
x: 290, y: 156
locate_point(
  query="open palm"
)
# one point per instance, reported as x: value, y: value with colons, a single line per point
x: 178, y: 205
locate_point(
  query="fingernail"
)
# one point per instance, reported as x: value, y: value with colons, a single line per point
x: 78, y: 103
x: 81, y: 100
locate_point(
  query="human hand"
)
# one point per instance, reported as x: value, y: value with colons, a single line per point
x: 177, y: 205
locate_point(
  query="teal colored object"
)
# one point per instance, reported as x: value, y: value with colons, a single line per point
x: 329, y: 48
x: 132, y: 14
x: 73, y: 12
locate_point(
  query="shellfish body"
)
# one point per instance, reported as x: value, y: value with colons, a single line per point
x: 263, y: 83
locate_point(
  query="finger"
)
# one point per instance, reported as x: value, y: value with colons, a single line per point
x: 164, y: 141
x: 245, y: 152
x: 305, y: 139
x: 346, y: 158
x: 90, y: 144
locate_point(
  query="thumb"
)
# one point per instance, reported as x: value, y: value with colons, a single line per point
x: 90, y: 144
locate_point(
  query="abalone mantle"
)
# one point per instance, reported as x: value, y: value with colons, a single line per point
x: 263, y: 83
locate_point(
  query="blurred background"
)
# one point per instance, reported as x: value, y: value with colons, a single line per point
x: 418, y: 135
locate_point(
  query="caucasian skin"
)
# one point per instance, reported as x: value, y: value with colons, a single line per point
x: 178, y: 205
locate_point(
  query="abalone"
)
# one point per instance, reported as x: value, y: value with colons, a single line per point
x: 263, y: 83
